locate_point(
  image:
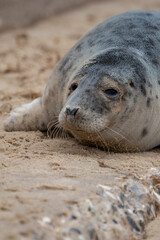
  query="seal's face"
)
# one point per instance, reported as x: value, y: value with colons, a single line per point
x: 92, y: 109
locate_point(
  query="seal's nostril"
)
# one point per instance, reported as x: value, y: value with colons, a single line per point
x: 74, y: 111
x: 71, y: 112
x: 68, y: 111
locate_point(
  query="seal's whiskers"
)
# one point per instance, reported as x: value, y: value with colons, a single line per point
x: 102, y: 141
x: 54, y: 130
x: 120, y: 135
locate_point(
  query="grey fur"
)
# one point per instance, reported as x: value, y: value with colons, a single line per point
x: 123, y: 53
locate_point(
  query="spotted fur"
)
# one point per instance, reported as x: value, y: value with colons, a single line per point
x: 121, y: 53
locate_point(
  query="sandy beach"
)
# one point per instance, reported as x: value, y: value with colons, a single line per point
x: 40, y: 176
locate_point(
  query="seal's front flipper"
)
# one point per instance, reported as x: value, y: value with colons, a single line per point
x: 28, y: 117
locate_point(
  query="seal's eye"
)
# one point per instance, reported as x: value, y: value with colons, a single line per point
x: 111, y: 93
x: 73, y: 87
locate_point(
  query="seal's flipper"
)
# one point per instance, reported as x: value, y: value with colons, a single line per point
x: 28, y: 117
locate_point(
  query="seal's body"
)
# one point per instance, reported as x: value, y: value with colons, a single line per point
x: 106, y: 89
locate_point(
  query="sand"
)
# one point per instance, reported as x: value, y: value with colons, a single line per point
x: 39, y: 176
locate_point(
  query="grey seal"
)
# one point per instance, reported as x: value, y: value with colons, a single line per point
x: 105, y: 91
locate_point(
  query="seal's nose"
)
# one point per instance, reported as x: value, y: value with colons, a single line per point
x: 71, y: 112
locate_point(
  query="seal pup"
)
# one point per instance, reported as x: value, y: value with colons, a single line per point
x: 105, y: 91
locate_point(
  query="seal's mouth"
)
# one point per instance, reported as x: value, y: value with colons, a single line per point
x: 107, y: 142
x: 94, y: 138
x: 86, y: 137
x: 81, y: 132
x: 74, y: 130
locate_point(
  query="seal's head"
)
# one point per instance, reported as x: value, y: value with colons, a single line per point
x: 99, y: 105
